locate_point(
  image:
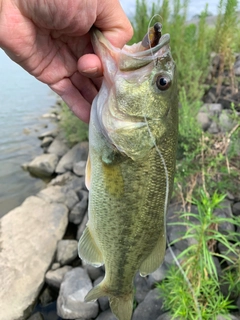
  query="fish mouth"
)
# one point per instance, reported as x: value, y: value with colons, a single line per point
x: 135, y: 56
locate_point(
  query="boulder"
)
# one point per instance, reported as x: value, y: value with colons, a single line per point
x: 106, y: 315
x: 43, y: 165
x: 58, y: 147
x: 142, y: 288
x: 77, y: 213
x: 79, y: 168
x: 236, y: 209
x: 46, y: 142
x: 78, y: 153
x: 52, y: 133
x: 150, y: 308
x: 29, y: 236
x: 54, y: 278
x: 58, y: 194
x: 36, y: 316
x: 67, y: 251
x: 70, y: 303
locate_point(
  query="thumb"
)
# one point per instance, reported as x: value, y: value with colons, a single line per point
x: 113, y: 22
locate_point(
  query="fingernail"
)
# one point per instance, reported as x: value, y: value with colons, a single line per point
x: 90, y: 70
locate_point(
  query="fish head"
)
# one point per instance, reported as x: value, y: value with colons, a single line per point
x: 137, y: 104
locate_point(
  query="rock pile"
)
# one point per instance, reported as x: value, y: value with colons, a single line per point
x: 39, y: 260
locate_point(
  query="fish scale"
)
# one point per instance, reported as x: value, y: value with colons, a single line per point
x: 132, y: 152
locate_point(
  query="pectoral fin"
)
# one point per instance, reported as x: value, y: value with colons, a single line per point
x: 88, y: 173
x: 88, y: 249
x: 154, y: 260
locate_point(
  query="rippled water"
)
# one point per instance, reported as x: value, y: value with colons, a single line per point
x: 23, y: 100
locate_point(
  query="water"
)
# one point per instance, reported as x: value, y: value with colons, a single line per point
x: 23, y: 100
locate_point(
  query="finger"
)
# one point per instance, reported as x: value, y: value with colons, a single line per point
x: 73, y: 98
x: 85, y: 86
x: 90, y: 66
x: 113, y: 22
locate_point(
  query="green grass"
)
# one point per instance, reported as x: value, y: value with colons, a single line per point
x: 74, y: 129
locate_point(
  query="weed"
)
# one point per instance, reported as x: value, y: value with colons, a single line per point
x: 200, y: 297
x: 74, y: 129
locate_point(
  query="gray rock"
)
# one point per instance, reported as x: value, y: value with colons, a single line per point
x: 237, y: 67
x: 46, y: 142
x: 212, y: 109
x: 203, y: 120
x: 58, y: 147
x: 236, y: 209
x: 94, y: 273
x: 82, y: 226
x: 54, y: 278
x: 229, y: 254
x: 167, y: 316
x: 103, y: 301
x: 79, y: 168
x: 58, y: 194
x: 214, y: 128
x: 77, y: 213
x: 62, y: 179
x: 150, y: 308
x: 50, y: 116
x: 46, y: 297
x: 43, y: 165
x: 77, y: 153
x: 141, y: 288
x: 225, y: 122
x: 171, y: 254
x: 224, y: 212
x: 36, y: 316
x: 51, y: 133
x: 106, y: 315
x: 55, y: 266
x: 29, y: 236
x: 67, y: 251
x: 70, y: 302
x: 159, y: 274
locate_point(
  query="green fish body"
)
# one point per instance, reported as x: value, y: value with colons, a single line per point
x: 132, y: 150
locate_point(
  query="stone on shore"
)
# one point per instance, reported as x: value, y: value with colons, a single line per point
x: 79, y: 168
x: 59, y: 195
x: 70, y: 303
x: 77, y: 213
x: 67, y: 251
x: 43, y: 165
x: 58, y: 147
x: 106, y: 315
x: 51, y: 133
x: 29, y: 236
x: 150, y: 308
x: 46, y: 142
x: 55, y: 277
x: 78, y: 153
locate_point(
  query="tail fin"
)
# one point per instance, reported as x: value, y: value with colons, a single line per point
x: 121, y: 307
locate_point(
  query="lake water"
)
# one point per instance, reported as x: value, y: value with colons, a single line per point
x: 23, y: 100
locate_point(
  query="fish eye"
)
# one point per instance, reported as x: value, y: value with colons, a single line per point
x: 163, y: 82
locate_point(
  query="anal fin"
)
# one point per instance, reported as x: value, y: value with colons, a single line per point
x: 88, y: 249
x: 155, y: 259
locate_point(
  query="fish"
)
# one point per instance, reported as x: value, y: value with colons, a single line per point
x: 133, y: 133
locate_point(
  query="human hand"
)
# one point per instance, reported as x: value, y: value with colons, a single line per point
x: 50, y: 39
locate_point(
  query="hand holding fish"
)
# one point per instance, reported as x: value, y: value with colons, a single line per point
x: 50, y: 39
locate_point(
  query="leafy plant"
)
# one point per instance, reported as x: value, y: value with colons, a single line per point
x: 74, y: 129
x: 193, y: 291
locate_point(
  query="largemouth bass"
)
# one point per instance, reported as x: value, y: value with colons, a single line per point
x: 132, y: 150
